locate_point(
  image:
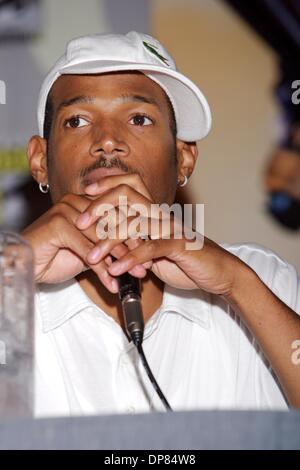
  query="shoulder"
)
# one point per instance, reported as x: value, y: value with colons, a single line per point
x: 279, y: 275
x: 256, y: 256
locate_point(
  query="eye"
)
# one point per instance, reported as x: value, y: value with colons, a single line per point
x: 141, y: 120
x: 75, y: 122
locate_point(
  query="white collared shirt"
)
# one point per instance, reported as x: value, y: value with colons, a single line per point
x: 200, y: 352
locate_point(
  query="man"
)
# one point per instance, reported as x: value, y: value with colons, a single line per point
x: 117, y: 119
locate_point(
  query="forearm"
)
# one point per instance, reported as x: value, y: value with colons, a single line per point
x: 273, y: 324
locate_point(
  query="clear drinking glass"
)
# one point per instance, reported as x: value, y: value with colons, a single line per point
x: 16, y: 326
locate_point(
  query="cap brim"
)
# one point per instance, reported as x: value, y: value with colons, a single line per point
x: 191, y: 108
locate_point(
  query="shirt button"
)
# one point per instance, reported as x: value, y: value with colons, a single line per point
x: 131, y: 410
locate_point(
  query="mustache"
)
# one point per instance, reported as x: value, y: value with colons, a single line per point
x: 104, y: 162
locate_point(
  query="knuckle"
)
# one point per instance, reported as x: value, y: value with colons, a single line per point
x: 151, y: 247
x: 76, y: 201
x: 66, y: 199
x: 133, y: 258
x: 60, y: 207
x: 124, y: 188
x: 57, y: 220
x: 134, y: 178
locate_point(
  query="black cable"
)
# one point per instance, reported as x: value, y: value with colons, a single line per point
x: 151, y: 376
x: 130, y: 297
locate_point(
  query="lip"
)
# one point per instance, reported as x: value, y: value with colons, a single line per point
x: 97, y: 175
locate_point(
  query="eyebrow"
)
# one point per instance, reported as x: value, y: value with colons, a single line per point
x: 139, y: 99
x: 75, y: 100
x: 125, y: 98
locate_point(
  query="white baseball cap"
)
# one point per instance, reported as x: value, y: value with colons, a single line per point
x: 101, y: 53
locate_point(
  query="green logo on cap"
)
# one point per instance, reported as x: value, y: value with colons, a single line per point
x: 151, y: 48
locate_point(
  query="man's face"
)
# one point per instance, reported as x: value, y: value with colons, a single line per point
x: 116, y: 120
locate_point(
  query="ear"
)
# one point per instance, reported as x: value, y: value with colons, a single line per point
x: 37, y: 158
x: 187, y: 154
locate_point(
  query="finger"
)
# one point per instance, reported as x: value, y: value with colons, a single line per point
x: 134, y: 243
x: 108, y: 260
x: 123, y: 197
x: 74, y: 240
x: 110, y: 242
x: 133, y: 180
x: 117, y: 249
x: 106, y: 225
x: 77, y: 201
x: 149, y: 251
x: 71, y: 214
x: 113, y: 240
x: 105, y: 278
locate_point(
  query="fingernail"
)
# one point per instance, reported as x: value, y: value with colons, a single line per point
x: 95, y: 254
x: 115, y: 268
x: 83, y: 219
x: 115, y: 285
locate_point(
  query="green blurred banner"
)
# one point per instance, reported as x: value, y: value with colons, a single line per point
x: 13, y: 159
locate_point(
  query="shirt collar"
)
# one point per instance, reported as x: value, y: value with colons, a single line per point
x: 194, y: 304
x: 60, y: 302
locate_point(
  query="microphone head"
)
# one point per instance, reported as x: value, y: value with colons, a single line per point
x: 129, y: 285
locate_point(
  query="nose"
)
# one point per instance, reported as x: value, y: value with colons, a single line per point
x: 109, y: 142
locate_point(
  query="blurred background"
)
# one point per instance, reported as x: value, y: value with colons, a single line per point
x: 245, y: 58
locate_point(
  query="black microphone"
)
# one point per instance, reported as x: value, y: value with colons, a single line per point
x: 130, y: 296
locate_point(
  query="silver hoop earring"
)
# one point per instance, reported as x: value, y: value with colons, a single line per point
x: 184, y: 181
x: 44, y: 188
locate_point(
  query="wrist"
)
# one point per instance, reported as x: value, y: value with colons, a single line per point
x: 244, y: 280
